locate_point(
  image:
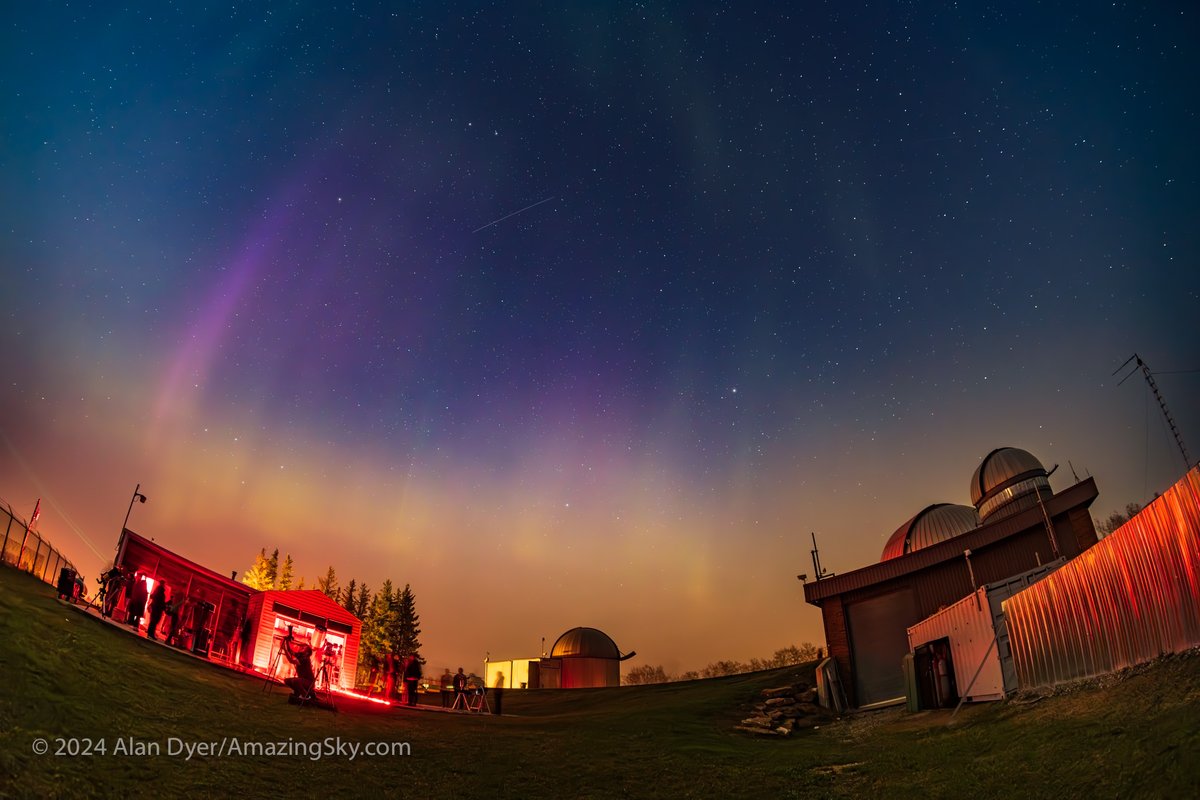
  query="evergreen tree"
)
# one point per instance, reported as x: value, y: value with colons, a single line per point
x: 285, y: 577
x: 300, y: 586
x: 350, y: 596
x: 408, y: 622
x: 374, y: 642
x: 273, y: 569
x: 329, y: 585
x: 363, y: 602
x: 257, y: 577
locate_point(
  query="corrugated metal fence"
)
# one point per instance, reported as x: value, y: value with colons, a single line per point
x: 1130, y: 598
x: 27, y: 550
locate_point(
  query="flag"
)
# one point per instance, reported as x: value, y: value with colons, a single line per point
x: 37, y: 512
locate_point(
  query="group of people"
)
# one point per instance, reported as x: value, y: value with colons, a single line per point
x: 140, y: 602
x: 455, y: 686
x: 396, y: 669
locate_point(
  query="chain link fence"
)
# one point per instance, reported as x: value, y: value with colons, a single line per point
x: 29, y: 551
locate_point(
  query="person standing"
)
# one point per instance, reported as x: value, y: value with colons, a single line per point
x: 114, y: 584
x: 137, y: 607
x: 412, y: 675
x: 158, y: 603
x: 497, y: 692
x: 447, y: 687
x: 171, y: 612
x: 460, y: 686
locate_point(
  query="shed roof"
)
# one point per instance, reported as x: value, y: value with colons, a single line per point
x: 142, y: 543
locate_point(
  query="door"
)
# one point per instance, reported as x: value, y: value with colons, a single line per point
x: 878, y: 644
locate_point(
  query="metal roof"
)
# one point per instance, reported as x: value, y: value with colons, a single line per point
x: 585, y: 643
x: 138, y: 541
x: 1081, y: 494
x: 932, y: 524
x: 1000, y: 468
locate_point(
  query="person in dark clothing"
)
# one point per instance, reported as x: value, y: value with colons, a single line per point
x: 460, y: 686
x: 389, y: 675
x: 446, y: 686
x: 127, y: 591
x: 158, y: 603
x: 498, y: 692
x: 111, y: 584
x: 137, y: 602
x: 412, y: 675
x: 299, y: 655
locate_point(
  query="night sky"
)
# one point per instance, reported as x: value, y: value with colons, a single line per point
x: 586, y: 316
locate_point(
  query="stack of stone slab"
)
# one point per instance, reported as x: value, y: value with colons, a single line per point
x: 784, y: 710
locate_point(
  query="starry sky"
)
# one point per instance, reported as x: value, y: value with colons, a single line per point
x: 586, y: 315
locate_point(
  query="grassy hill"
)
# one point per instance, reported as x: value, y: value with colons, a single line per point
x: 65, y: 675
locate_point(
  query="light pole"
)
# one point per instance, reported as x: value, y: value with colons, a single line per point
x: 137, y: 495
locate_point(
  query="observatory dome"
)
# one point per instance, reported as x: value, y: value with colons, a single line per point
x: 1007, y: 481
x: 933, y: 524
x: 585, y: 643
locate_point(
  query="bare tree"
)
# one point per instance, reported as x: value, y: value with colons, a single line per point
x: 646, y: 674
x: 1117, y: 518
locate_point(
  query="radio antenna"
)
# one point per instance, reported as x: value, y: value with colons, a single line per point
x: 818, y: 570
x: 1187, y: 462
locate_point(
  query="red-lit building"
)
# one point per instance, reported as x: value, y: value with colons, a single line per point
x: 211, y: 606
x: 229, y: 622
x: 273, y: 613
x: 939, y: 557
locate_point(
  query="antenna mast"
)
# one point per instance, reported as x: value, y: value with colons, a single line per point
x: 818, y: 570
x: 1187, y: 462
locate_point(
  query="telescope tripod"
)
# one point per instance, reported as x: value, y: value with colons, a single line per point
x: 324, y: 683
x: 270, y: 681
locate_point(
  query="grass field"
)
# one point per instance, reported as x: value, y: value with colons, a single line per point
x: 64, y: 675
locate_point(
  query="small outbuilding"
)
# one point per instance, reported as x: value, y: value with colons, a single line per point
x: 272, y: 614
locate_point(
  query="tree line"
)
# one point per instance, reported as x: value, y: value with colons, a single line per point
x: 784, y: 657
x: 1117, y: 518
x: 390, y: 622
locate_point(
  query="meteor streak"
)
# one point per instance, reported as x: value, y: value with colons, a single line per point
x: 513, y: 214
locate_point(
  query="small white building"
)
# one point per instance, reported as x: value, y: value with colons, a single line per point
x: 962, y: 651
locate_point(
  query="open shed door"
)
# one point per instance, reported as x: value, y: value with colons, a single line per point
x: 878, y: 644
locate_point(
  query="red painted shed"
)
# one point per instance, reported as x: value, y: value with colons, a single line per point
x: 269, y: 617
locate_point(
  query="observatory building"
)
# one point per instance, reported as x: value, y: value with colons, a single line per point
x: 582, y: 657
x: 940, y: 555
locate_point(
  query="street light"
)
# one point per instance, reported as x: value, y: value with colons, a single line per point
x: 137, y: 495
